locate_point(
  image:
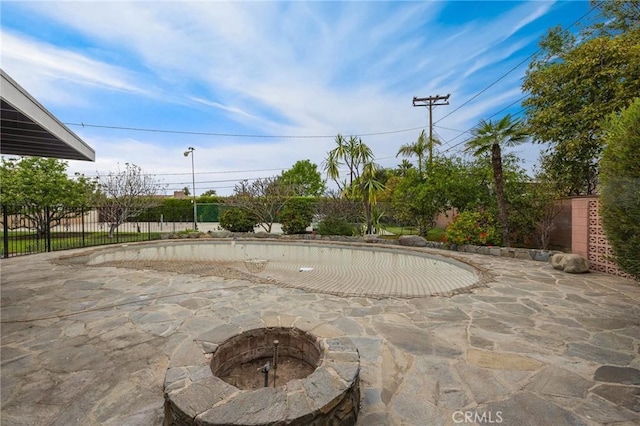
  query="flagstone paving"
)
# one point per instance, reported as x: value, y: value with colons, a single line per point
x: 533, y: 346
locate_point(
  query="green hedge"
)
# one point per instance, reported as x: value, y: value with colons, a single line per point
x: 620, y: 188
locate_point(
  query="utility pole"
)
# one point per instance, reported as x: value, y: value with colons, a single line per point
x: 430, y: 102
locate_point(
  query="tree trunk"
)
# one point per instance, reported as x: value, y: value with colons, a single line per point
x: 496, y: 162
x: 112, y: 228
x: 367, y: 213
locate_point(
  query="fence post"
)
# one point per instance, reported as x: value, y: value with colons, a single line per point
x: 5, y: 231
x: 48, y: 228
x: 82, y: 221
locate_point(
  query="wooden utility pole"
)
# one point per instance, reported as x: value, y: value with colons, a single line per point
x: 430, y: 102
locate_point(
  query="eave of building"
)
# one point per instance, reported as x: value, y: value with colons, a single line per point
x: 29, y: 129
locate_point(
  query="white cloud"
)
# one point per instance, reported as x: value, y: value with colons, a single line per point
x: 288, y: 68
x: 46, y: 67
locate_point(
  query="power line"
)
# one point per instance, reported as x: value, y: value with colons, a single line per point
x: 237, y: 135
x: 207, y: 173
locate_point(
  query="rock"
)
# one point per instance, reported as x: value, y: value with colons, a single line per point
x: 625, y: 396
x: 556, y: 260
x: 262, y: 234
x: 570, y: 263
x: 194, y: 234
x: 622, y: 375
x: 540, y: 255
x: 575, y: 264
x: 556, y: 381
x: 527, y: 409
x: 412, y: 241
x: 371, y: 238
x: 599, y: 355
x: 502, y: 361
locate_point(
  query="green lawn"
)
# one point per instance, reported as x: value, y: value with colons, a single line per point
x: 434, y: 234
x: 24, y: 243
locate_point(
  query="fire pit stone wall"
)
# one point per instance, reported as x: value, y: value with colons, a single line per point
x: 330, y: 395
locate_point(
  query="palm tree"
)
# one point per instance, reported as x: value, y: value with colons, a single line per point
x: 354, y: 154
x: 362, y: 184
x: 369, y: 188
x: 419, y: 148
x: 492, y: 137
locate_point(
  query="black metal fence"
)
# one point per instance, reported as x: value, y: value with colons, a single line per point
x: 37, y: 229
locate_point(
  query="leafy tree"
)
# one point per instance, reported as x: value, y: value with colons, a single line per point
x: 620, y: 192
x: 574, y: 83
x: 42, y: 188
x: 463, y: 184
x: 616, y: 16
x: 304, y: 176
x: 186, y: 191
x: 209, y: 193
x: 125, y: 194
x: 491, y: 137
x: 263, y: 199
x: 418, y: 199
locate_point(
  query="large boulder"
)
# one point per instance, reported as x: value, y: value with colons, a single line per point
x: 556, y: 260
x: 412, y: 241
x: 570, y: 263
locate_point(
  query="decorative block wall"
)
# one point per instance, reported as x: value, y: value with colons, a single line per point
x: 588, y: 238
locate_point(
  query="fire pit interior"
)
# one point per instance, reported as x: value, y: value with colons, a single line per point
x: 266, y: 358
x: 306, y: 375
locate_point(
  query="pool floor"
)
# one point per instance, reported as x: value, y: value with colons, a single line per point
x: 323, y: 268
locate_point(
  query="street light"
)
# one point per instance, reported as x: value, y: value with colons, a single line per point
x: 193, y: 187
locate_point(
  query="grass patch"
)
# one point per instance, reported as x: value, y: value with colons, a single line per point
x: 21, y: 243
x: 434, y: 234
x: 401, y: 230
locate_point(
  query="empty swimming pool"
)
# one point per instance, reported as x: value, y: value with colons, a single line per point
x: 340, y: 269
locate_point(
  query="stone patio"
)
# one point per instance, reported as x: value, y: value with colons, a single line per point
x: 534, y: 346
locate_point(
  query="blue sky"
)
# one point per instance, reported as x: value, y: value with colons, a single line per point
x: 303, y: 70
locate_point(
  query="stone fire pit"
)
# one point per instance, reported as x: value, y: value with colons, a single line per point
x: 315, y: 382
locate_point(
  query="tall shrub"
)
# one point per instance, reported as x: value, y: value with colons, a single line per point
x: 476, y: 228
x: 296, y: 215
x: 237, y: 220
x: 620, y: 190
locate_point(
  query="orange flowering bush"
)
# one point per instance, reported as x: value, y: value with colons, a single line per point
x: 473, y: 228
